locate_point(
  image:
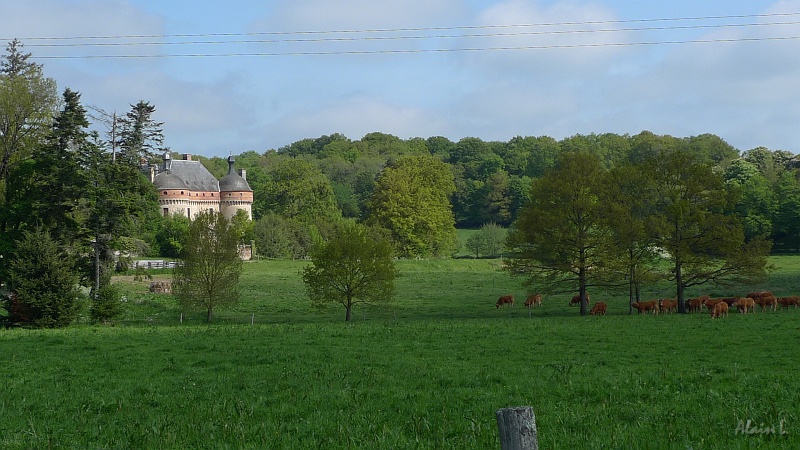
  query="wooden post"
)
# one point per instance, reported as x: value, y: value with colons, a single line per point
x: 517, y: 428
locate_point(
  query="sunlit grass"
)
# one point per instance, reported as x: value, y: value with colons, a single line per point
x: 425, y: 371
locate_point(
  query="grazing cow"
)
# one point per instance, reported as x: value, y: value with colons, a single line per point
x: 503, y: 300
x: 744, y: 304
x: 730, y: 300
x: 696, y: 304
x: 576, y: 299
x: 668, y: 305
x: 755, y: 295
x: 767, y: 302
x: 644, y: 307
x: 711, y: 302
x: 786, y: 302
x: 599, y: 309
x: 719, y: 309
x: 533, y: 300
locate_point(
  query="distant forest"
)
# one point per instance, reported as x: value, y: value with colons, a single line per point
x: 492, y: 179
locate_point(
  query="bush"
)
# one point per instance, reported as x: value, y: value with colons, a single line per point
x: 107, y: 305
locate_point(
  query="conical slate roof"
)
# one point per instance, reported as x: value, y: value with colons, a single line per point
x: 232, y: 181
x: 168, y: 180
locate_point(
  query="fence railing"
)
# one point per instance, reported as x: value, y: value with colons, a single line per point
x: 154, y: 264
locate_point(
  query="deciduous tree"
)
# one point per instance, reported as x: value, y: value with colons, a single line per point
x: 703, y: 243
x: 560, y: 235
x: 298, y: 190
x: 208, y: 276
x: 412, y: 201
x: 27, y: 103
x: 354, y: 266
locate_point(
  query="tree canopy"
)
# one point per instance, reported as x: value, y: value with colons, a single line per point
x: 43, y: 278
x: 411, y: 200
x: 560, y: 234
x: 208, y: 276
x: 354, y: 266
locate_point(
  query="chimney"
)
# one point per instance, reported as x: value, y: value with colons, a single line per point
x: 187, y: 156
x: 167, y: 162
x: 243, y: 174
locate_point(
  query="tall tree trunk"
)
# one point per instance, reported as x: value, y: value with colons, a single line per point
x: 349, y: 308
x: 96, y: 265
x: 679, y: 282
x: 582, y: 282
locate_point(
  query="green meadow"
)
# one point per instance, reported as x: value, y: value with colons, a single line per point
x: 427, y: 370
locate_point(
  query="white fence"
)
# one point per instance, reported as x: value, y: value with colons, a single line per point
x: 154, y: 264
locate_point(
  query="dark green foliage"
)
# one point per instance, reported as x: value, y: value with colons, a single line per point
x: 140, y: 136
x: 43, y: 278
x: 106, y: 306
x: 58, y: 180
x: 787, y: 219
x: 281, y: 238
x: 298, y: 190
x: 172, y: 235
x: 690, y: 224
x: 354, y: 266
x: 208, y: 275
x: 560, y: 235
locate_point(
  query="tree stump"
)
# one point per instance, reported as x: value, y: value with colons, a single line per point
x: 517, y: 428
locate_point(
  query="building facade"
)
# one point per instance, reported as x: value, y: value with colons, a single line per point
x: 186, y: 187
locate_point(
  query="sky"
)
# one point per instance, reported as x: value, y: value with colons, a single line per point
x: 246, y: 75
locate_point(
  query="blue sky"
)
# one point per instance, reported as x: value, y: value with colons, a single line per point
x: 610, y: 70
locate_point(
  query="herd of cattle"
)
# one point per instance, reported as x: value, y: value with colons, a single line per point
x: 717, y: 307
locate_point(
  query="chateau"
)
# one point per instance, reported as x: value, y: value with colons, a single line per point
x: 186, y: 187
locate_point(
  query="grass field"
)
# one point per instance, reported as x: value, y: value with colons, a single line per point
x: 426, y: 371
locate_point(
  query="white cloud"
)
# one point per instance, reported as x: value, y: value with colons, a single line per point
x: 355, y: 117
x: 327, y: 15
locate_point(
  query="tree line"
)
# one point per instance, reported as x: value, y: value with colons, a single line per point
x: 69, y: 199
x: 87, y: 196
x: 312, y: 180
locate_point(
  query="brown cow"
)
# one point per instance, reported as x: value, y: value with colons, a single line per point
x: 533, y: 300
x: 668, y: 305
x: 786, y: 302
x: 576, y: 299
x: 711, y: 302
x: 599, y: 309
x: 643, y: 307
x: 767, y: 302
x: 759, y: 294
x: 696, y: 304
x: 744, y: 304
x: 719, y: 309
x: 730, y: 300
x: 503, y: 300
